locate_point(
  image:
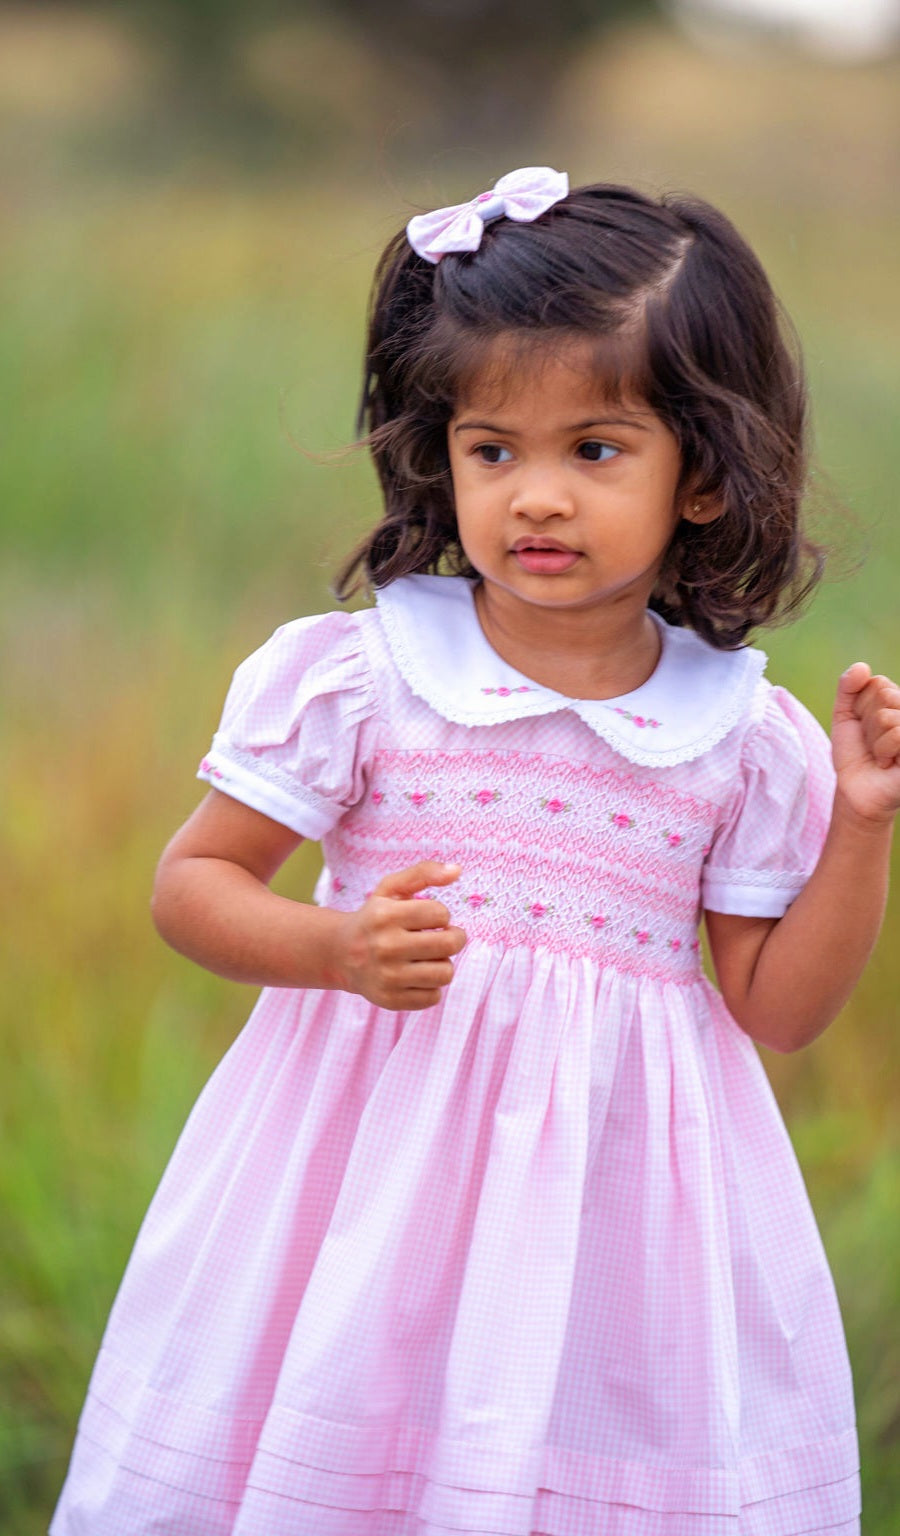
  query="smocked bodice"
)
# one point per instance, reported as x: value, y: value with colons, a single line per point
x: 553, y: 855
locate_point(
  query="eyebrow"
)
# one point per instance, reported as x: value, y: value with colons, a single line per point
x: 578, y: 426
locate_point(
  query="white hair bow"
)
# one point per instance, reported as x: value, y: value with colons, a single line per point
x: 522, y: 195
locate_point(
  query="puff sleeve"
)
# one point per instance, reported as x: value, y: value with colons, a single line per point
x: 769, y: 844
x: 297, y: 727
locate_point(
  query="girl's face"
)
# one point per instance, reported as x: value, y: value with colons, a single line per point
x: 564, y: 498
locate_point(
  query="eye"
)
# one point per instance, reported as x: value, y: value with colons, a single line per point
x: 596, y: 452
x: 493, y: 453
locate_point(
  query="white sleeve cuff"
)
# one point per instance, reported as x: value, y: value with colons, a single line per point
x: 258, y: 786
x: 743, y: 899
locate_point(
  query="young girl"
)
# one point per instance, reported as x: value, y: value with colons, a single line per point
x: 488, y: 1223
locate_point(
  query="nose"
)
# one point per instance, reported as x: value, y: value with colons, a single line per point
x: 542, y: 491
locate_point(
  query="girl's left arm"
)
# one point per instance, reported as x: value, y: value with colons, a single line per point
x: 785, y: 979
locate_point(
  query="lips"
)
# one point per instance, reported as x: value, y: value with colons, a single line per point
x: 544, y: 557
x: 539, y: 542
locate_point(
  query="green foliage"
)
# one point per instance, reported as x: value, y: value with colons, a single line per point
x: 483, y: 65
x: 861, y: 1218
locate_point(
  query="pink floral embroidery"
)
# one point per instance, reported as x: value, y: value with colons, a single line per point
x: 207, y: 767
x: 707, y: 848
x: 695, y: 944
x: 639, y: 720
x: 337, y: 883
x: 672, y: 838
x: 648, y: 887
x: 504, y: 693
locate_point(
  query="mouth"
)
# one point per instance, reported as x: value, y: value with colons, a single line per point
x: 544, y: 557
x: 538, y: 541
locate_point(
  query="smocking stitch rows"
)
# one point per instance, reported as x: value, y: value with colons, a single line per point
x: 553, y: 854
x: 512, y: 916
x: 417, y: 763
x: 583, y: 838
x: 500, y: 869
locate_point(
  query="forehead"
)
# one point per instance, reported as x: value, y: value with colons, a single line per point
x: 514, y: 365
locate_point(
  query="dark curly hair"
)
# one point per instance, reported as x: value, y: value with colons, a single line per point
x: 683, y: 318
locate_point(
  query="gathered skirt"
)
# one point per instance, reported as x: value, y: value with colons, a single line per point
x: 536, y: 1260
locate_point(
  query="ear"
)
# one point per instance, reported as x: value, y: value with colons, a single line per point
x: 700, y: 509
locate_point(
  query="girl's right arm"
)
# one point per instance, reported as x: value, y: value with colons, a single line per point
x: 212, y: 903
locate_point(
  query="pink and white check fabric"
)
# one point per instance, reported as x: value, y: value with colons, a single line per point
x: 535, y: 1262
x: 520, y: 195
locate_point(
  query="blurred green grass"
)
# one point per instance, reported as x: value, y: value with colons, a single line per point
x: 178, y: 369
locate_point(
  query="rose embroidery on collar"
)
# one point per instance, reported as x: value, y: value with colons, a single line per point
x: 692, y: 700
x: 639, y: 720
x: 506, y: 693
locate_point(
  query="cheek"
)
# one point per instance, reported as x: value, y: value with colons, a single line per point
x: 471, y: 533
x: 475, y: 532
x: 462, y: 488
x: 468, y: 496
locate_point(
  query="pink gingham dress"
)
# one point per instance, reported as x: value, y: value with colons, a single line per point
x: 536, y: 1260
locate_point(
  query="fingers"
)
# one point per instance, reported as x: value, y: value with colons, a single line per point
x: 884, y: 733
x: 434, y: 943
x: 430, y: 976
x: 392, y: 944
x: 406, y: 883
x: 415, y: 999
x: 874, y: 701
x: 421, y: 915
x: 850, y: 684
x: 399, y: 946
x: 399, y: 979
x: 404, y: 904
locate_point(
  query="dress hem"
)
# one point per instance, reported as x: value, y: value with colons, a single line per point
x: 296, y: 1460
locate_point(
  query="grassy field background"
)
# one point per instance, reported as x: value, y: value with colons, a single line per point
x: 178, y: 368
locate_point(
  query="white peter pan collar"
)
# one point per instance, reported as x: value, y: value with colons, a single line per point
x: 688, y: 704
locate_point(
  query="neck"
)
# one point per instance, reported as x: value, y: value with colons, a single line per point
x: 582, y: 653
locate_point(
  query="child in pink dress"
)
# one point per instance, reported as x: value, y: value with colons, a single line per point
x: 488, y: 1223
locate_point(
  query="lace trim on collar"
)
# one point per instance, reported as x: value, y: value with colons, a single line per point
x: 688, y: 705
